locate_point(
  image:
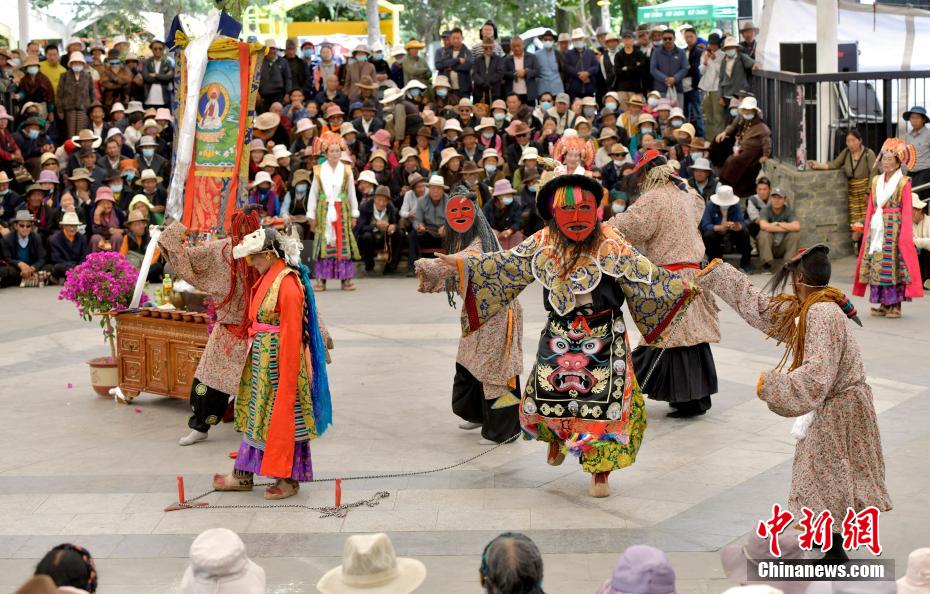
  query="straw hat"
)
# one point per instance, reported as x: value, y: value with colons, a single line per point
x: 378, y: 154
x: 267, y: 121
x: 607, y: 133
x: 619, y: 149
x: 636, y: 100
x: 686, y: 128
x: 79, y: 173
x: 724, y: 197
x: 447, y: 155
x: 147, y: 174
x: 366, y: 82
x: 408, y: 152
x: 730, y: 41
x: 303, y: 175
x: 268, y: 160
x: 699, y: 143
x: 485, y: 123
x: 70, y: 218
x: 46, y: 157
x: 86, y: 135
x: 135, y: 215
x: 452, y: 124
x: 219, y: 564
x: 370, y: 566
x: 414, y: 44
x: 645, y: 117
x: 392, y: 95
x: 437, y: 180
x: 464, y: 102
x: 490, y: 153
x: 262, y: 177
x: 578, y: 33
x: 367, y: 176
x: 442, y: 80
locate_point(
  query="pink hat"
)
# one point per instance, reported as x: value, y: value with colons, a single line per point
x: 382, y: 137
x: 257, y: 144
x: 46, y: 176
x: 304, y: 124
x: 4, y: 115
x: 104, y: 193
x: 163, y: 113
x: 502, y: 187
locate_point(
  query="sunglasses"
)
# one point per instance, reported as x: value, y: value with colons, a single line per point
x: 668, y: 39
x: 24, y: 225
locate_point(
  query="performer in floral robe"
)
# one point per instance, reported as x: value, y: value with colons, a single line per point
x: 210, y: 267
x: 283, y: 400
x: 582, y: 395
x: 888, y: 261
x: 333, y: 210
x: 486, y: 388
x: 838, y: 460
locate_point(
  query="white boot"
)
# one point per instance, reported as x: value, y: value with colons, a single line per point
x: 467, y: 426
x: 191, y: 438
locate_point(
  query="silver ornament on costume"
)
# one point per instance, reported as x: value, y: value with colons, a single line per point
x: 619, y: 366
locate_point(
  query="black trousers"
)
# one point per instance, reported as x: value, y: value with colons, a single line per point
x: 416, y: 241
x: 923, y: 259
x: 369, y: 243
x: 714, y: 244
x: 919, y: 178
x: 208, y: 406
x: 468, y: 402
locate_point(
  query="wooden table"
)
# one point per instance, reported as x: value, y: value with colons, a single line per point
x: 159, y: 354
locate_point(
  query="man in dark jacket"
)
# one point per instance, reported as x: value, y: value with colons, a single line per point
x: 158, y: 76
x: 580, y: 67
x: 692, y: 102
x: 631, y: 69
x: 487, y: 74
x: 456, y: 62
x: 520, y: 70
x: 300, y: 71
x: 67, y: 247
x: 275, y: 77
x: 368, y: 123
x: 513, y: 154
x: 22, y: 253
x: 607, y: 76
x: 377, y: 229
x: 668, y: 65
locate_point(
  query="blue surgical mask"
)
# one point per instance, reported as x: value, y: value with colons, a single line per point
x: 617, y: 208
x: 731, y: 53
x: 733, y: 111
x: 413, y: 93
x: 490, y: 169
x: 442, y: 92
x: 545, y: 105
x: 115, y: 62
x: 117, y: 188
x: 697, y: 154
x: 130, y: 175
x: 611, y: 105
x: 645, y: 131
x: 148, y: 153
x: 499, y: 117
x: 547, y: 45
x: 748, y: 116
x: 302, y: 187
x: 652, y: 101
x: 677, y: 123
x: 589, y: 112
x: 507, y: 200
x: 4, y: 192
x: 487, y: 134
x: 32, y: 134
x: 578, y: 45
x: 362, y: 58
x: 532, y: 189
x: 308, y: 53
x: 79, y: 68
x: 377, y: 56
x: 32, y: 70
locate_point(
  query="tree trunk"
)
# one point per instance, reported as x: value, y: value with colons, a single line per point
x: 563, y: 20
x: 594, y: 14
x: 628, y: 12
x: 374, y: 23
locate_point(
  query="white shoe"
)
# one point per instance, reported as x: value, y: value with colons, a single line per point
x: 469, y: 426
x: 191, y: 438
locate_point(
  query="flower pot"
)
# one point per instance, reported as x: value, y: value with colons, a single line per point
x: 104, y: 375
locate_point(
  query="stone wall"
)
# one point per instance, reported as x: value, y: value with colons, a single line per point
x: 820, y: 200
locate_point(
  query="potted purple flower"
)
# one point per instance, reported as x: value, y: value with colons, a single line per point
x: 101, y: 285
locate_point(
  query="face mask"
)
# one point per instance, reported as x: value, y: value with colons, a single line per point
x: 490, y: 169
x: 546, y: 105
x: 652, y: 101
x: 507, y: 200
x: 578, y: 45
x: 619, y: 162
x: 302, y: 187
x: 413, y: 93
x: 547, y: 45
x: 460, y: 213
x: 748, y: 116
x: 308, y: 53
x: 731, y: 53
x: 733, y: 111
x: 15, y: 62
x: 115, y: 62
x: 32, y: 134
x: 697, y: 154
x: 677, y: 124
x: 618, y: 208
x: 487, y: 135
x: 532, y: 189
x: 130, y: 175
x: 148, y: 153
x: 32, y: 70
x: 4, y: 192
x: 611, y: 105
x: 577, y: 223
x: 589, y: 112
x: 645, y: 130
x: 117, y: 188
x: 361, y: 59
x: 442, y: 92
x: 377, y: 56
x: 79, y: 68
x: 498, y: 117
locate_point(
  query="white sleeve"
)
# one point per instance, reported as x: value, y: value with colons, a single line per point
x: 353, y: 200
x: 313, y: 197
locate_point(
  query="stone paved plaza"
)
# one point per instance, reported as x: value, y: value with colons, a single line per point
x: 80, y: 468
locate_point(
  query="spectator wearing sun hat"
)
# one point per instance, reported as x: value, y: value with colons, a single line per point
x: 75, y: 94
x: 148, y: 158
x: 67, y: 247
x: 219, y: 565
x: 503, y: 214
x: 355, y: 71
x: 22, y: 255
x: 735, y: 70
x: 641, y: 569
x: 106, y: 222
x: 263, y: 195
x: 370, y: 564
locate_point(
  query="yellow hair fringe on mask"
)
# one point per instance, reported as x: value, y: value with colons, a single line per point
x: 784, y: 309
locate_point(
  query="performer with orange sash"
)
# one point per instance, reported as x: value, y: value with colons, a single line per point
x: 283, y: 400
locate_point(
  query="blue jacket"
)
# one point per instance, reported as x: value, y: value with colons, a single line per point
x: 663, y: 64
x: 714, y: 216
x: 574, y: 62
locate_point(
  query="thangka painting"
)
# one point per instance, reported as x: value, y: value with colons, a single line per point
x: 217, y: 182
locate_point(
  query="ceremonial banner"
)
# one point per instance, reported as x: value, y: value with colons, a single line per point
x: 217, y: 181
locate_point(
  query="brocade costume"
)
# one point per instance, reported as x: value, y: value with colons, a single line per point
x: 582, y: 390
x: 333, y: 205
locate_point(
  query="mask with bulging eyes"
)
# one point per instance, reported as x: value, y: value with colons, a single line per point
x: 254, y: 243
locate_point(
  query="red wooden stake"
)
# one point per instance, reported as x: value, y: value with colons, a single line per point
x: 338, y: 492
x: 181, y: 490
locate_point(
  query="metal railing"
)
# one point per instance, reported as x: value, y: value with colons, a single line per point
x: 871, y: 102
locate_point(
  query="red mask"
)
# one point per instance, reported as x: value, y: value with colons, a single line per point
x: 460, y: 213
x: 577, y: 222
